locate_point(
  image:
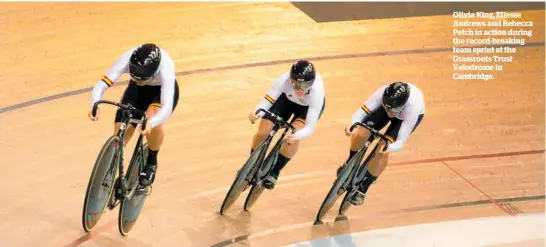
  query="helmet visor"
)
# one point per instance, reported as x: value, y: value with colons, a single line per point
x: 301, y: 84
x: 392, y: 109
x: 140, y: 73
x: 140, y: 79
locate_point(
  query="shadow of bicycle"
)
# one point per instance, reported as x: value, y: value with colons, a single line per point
x: 337, y: 233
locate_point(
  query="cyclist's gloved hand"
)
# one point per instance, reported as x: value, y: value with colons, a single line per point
x: 348, y: 131
x: 96, y: 117
x: 290, y: 139
x: 147, y: 130
x: 252, y: 117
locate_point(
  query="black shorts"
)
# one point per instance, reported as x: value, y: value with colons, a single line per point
x: 142, y: 97
x: 379, y: 119
x: 285, y: 108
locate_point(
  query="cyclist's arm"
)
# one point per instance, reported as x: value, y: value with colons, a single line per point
x: 273, y: 94
x: 119, y: 67
x: 371, y: 104
x: 167, y: 77
x: 313, y: 113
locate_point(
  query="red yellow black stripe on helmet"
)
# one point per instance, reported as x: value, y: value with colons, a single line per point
x: 365, y: 108
x: 156, y: 104
x: 107, y: 81
x: 268, y: 98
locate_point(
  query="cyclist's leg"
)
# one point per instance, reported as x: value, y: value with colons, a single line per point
x: 156, y: 136
x: 376, y: 119
x: 378, y: 163
x: 300, y: 114
x: 287, y: 152
x: 264, y: 128
x: 266, y: 124
x: 131, y: 96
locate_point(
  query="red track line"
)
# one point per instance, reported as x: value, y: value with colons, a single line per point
x: 481, y: 191
x: 468, y: 157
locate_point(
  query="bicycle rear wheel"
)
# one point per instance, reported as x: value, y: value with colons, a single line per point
x: 244, y: 176
x: 333, y: 194
x: 130, y: 208
x: 100, y: 186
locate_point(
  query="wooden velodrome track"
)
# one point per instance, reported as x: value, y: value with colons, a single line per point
x: 479, y: 151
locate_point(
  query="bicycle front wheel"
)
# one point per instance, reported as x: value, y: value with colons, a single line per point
x: 100, y: 186
x: 243, y: 177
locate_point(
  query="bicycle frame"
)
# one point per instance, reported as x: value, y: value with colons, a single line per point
x: 278, y: 124
x: 251, y: 173
x: 362, y: 166
x: 127, y: 115
x: 350, y: 177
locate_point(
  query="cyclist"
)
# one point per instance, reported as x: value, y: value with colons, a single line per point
x: 299, y: 93
x: 152, y: 88
x: 400, y: 103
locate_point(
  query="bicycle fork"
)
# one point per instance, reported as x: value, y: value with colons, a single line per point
x: 122, y: 182
x: 352, y: 180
